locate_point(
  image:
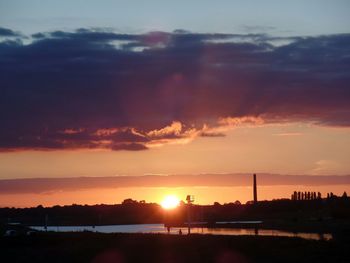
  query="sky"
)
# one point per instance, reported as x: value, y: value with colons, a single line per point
x: 299, y: 17
x: 119, y: 89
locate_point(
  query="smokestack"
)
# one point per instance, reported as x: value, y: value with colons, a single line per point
x: 255, y: 193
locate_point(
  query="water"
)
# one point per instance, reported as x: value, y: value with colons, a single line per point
x: 159, y: 228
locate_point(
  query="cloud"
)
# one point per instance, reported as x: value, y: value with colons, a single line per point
x: 325, y: 167
x: 45, y: 185
x: 100, y: 89
x: 5, y: 32
x: 212, y: 134
x: 128, y: 146
x: 173, y: 130
x: 289, y: 134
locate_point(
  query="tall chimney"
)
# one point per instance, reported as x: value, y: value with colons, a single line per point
x: 255, y: 193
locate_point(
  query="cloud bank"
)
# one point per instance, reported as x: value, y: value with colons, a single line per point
x: 101, y: 89
x: 49, y: 185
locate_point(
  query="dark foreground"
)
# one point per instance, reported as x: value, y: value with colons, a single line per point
x: 95, y: 247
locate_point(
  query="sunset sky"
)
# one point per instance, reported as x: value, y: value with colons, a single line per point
x: 172, y: 88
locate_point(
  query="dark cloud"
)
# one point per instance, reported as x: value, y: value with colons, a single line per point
x: 43, y: 185
x: 5, y: 32
x: 128, y: 146
x: 136, y: 86
x: 212, y: 134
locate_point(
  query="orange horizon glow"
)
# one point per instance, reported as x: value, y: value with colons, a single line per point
x: 295, y: 148
x: 270, y: 148
x: 203, y: 195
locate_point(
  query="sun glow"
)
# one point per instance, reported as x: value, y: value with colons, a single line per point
x: 170, y: 202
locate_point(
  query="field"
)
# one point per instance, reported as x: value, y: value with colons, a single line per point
x: 95, y: 247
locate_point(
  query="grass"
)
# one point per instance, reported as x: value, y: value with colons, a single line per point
x: 98, y: 247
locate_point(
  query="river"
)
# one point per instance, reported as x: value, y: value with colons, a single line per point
x: 159, y: 228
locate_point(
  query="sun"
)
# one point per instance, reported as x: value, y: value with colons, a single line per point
x: 170, y: 202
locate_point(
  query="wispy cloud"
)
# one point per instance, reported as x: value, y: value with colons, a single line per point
x: 288, y: 134
x: 325, y: 167
x: 49, y: 185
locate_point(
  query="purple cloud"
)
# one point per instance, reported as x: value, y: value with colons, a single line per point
x: 140, y: 85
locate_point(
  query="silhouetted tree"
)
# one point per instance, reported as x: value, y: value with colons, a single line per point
x: 295, y: 196
x: 129, y: 201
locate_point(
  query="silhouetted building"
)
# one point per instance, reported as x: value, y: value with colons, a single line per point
x: 255, y: 192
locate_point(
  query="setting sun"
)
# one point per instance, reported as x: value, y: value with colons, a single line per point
x: 170, y: 202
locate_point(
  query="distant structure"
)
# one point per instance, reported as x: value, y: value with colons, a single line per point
x: 190, y: 200
x: 255, y: 191
x: 297, y: 196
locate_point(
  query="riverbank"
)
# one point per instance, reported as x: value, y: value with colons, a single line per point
x: 311, y: 226
x: 98, y: 247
